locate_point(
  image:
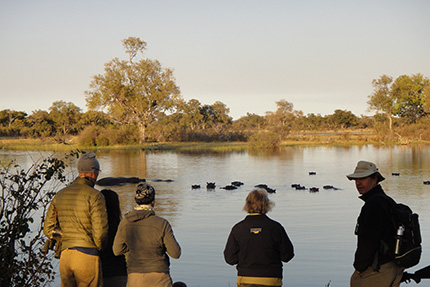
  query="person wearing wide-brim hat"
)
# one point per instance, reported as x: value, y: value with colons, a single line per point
x: 373, y: 267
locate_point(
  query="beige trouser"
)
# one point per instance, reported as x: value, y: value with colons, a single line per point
x: 153, y: 279
x: 389, y: 275
x: 78, y: 269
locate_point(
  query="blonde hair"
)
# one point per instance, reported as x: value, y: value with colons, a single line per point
x: 258, y: 201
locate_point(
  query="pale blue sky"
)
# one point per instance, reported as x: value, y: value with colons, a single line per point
x: 248, y: 54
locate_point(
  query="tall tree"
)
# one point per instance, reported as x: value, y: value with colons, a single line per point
x: 381, y: 99
x: 134, y: 92
x: 410, y: 94
x: 65, y: 116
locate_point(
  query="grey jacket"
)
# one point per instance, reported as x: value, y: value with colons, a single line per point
x: 81, y: 214
x: 146, y: 239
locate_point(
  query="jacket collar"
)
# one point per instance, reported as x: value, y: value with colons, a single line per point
x: 376, y: 190
x: 84, y: 180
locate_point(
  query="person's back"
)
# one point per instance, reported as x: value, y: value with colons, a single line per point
x: 258, y: 266
x: 146, y: 239
x: 80, y: 212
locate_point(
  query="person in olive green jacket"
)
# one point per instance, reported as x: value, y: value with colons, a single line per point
x: 79, y: 211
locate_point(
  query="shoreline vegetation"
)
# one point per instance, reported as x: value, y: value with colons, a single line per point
x: 305, y: 138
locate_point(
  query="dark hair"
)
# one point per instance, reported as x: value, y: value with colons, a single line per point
x: 113, y: 208
x: 258, y: 201
x: 179, y: 284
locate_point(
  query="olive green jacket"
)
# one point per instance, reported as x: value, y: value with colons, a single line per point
x: 146, y: 240
x: 81, y: 214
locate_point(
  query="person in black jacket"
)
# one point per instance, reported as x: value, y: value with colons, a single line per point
x: 373, y: 265
x: 258, y: 244
x: 114, y: 267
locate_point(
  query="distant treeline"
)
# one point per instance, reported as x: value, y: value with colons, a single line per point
x: 196, y: 122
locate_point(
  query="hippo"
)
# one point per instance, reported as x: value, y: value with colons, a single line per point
x: 237, y: 183
x: 210, y: 185
x: 110, y: 181
x: 229, y: 187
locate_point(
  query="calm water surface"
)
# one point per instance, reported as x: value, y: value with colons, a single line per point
x: 320, y: 224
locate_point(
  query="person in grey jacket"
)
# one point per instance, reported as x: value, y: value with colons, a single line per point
x: 79, y: 211
x: 147, y: 241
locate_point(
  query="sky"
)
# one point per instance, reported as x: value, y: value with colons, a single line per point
x: 248, y: 54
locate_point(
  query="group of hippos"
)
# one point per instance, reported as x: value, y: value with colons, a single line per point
x: 117, y: 181
x: 114, y: 181
x: 232, y: 186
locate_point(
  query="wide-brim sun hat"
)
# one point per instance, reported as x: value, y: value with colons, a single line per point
x: 365, y: 169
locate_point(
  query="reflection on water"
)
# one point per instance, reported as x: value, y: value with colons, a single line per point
x: 319, y: 224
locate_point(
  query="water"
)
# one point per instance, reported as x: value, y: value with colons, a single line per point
x: 320, y: 224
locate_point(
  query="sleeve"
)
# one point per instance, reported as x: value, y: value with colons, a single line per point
x: 370, y: 227
x: 172, y: 246
x: 231, y: 250
x: 99, y: 222
x: 119, y: 245
x: 50, y: 220
x: 286, y: 246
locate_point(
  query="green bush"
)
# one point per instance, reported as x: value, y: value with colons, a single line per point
x: 25, y: 196
x: 264, y: 140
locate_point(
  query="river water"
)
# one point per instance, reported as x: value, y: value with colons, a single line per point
x: 320, y: 224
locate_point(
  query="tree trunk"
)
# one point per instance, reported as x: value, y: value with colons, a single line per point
x: 142, y: 130
x: 390, y: 122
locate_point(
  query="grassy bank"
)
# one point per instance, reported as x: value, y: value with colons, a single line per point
x: 302, y: 138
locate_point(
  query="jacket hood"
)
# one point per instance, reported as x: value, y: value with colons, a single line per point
x: 137, y: 215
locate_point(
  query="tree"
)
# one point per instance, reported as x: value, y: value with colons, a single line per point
x: 411, y: 94
x: 250, y: 122
x: 134, y: 92
x: 39, y: 124
x: 94, y: 118
x: 24, y: 198
x: 343, y: 119
x: 8, y: 117
x: 192, y: 117
x: 11, y: 122
x: 382, y: 99
x: 66, y: 117
x: 281, y: 119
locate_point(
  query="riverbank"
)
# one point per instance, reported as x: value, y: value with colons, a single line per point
x: 300, y: 138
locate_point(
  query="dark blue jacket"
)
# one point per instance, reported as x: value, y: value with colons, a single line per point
x: 258, y: 245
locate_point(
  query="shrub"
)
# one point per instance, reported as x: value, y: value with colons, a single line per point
x: 25, y: 196
x: 264, y: 140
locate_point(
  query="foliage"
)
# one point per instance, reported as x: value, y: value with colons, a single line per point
x: 11, y: 122
x: 342, y: 119
x: 25, y: 195
x: 108, y: 136
x: 65, y: 116
x: 265, y: 140
x: 411, y: 94
x: 407, y: 97
x: 134, y: 92
x: 382, y: 100
x: 39, y: 125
